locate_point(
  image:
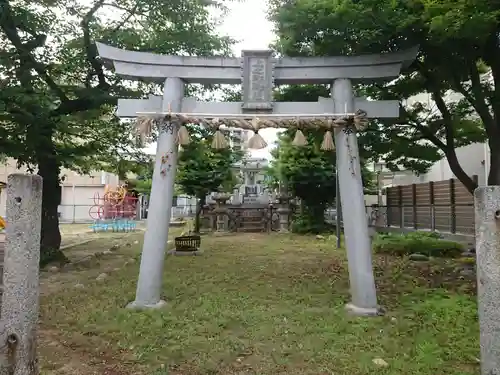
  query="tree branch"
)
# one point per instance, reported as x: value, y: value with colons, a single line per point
x: 28, y: 62
x: 131, y: 13
x: 449, y: 151
x: 426, y: 132
x: 90, y: 48
x: 481, y: 104
x: 478, y: 99
x: 83, y: 104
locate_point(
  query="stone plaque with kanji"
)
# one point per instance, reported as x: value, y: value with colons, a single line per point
x: 257, y: 80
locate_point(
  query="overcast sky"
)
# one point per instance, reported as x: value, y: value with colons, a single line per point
x: 247, y: 23
x: 251, y: 12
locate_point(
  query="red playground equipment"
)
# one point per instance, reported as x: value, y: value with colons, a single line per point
x: 116, y: 203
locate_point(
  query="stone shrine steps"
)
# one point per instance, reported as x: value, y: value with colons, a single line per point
x: 251, y: 224
x: 252, y: 227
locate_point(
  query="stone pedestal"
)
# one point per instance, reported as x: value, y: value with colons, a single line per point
x: 487, y: 219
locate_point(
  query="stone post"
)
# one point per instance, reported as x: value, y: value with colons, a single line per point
x: 160, y: 203
x: 362, y: 281
x: 236, y: 197
x: 284, y: 212
x: 19, y: 312
x: 265, y: 198
x: 221, y: 223
x: 221, y: 212
x: 487, y: 218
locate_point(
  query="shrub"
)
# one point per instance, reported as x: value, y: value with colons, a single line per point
x: 428, y: 243
x: 305, y: 223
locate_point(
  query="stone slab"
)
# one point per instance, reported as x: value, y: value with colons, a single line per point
x: 134, y: 305
x: 257, y: 80
x: 129, y: 108
x: 288, y: 70
x: 185, y: 253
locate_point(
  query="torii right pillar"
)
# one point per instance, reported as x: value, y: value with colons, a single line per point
x: 357, y: 239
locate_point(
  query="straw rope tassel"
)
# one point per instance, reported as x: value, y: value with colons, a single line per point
x: 144, y: 128
x: 256, y: 142
x: 183, y: 137
x: 360, y: 120
x: 299, y: 139
x: 327, y: 144
x: 219, y: 142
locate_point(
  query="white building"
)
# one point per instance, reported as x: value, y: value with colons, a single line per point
x: 79, y: 193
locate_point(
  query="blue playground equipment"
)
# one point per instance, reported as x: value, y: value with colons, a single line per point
x: 116, y: 225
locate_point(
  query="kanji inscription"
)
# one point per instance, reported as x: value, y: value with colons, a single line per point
x: 257, y: 80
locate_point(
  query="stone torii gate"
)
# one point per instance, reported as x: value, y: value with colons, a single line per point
x: 258, y: 72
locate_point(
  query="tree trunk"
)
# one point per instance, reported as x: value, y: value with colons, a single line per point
x: 494, y: 173
x: 49, y: 169
x: 200, y: 202
x: 459, y: 173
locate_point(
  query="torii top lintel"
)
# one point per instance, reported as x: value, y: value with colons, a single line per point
x: 287, y: 70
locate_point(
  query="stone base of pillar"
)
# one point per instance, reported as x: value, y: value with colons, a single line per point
x: 363, y: 311
x: 181, y: 253
x: 134, y: 305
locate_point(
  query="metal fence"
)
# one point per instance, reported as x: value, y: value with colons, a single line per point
x: 453, y: 219
x: 184, y: 211
x: 88, y: 213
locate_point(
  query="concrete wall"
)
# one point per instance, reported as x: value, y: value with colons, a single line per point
x: 77, y: 200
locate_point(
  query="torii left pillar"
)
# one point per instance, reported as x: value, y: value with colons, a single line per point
x: 148, y: 294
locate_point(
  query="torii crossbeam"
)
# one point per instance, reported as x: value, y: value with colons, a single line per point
x: 258, y: 72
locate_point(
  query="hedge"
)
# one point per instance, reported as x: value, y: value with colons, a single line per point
x: 427, y: 243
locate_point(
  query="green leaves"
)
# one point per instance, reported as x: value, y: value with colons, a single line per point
x: 57, y: 98
x: 453, y: 103
x: 203, y: 170
x: 52, y: 83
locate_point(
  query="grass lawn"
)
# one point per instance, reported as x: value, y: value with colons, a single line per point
x: 258, y: 304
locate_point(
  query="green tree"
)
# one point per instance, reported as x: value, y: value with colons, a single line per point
x: 203, y: 170
x: 458, y: 67
x: 57, y: 97
x: 308, y: 172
